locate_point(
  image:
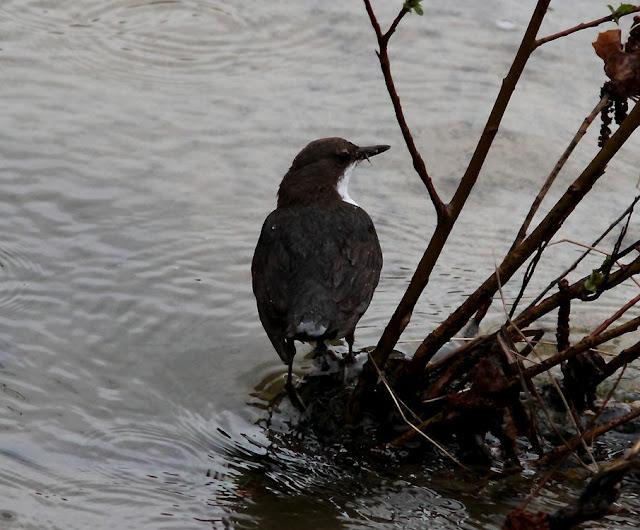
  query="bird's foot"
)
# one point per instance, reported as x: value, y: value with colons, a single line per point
x: 349, y: 358
x: 321, y: 350
x: 325, y: 358
x: 295, y: 398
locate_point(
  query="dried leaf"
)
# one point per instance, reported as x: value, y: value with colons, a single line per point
x: 624, y: 70
x: 621, y: 66
x: 608, y: 43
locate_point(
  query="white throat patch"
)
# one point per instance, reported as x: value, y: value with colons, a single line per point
x: 342, y: 187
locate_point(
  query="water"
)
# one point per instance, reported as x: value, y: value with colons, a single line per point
x: 142, y: 143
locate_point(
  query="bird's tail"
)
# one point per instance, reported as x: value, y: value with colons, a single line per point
x: 310, y: 316
x: 310, y: 324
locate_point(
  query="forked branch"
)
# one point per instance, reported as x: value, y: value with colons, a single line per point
x: 420, y: 279
x: 383, y: 55
x: 586, y: 25
x: 543, y: 232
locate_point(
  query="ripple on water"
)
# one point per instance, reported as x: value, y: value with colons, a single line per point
x: 155, y: 39
x: 181, y: 467
x: 118, y: 320
x: 20, y: 277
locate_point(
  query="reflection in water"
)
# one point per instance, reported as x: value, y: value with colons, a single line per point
x: 140, y: 145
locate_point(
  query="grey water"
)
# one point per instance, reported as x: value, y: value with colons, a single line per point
x: 141, y: 145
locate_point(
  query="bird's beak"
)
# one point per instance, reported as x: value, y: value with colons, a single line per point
x: 363, y: 153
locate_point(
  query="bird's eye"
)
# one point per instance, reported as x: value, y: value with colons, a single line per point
x: 344, y: 154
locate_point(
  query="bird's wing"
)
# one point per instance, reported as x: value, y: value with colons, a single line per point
x: 305, y: 264
x: 271, y: 272
x: 356, y: 273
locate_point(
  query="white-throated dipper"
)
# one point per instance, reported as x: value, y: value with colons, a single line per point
x: 318, y: 259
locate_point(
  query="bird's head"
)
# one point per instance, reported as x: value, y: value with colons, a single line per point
x: 321, y: 171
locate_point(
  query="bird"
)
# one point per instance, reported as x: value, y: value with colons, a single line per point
x: 318, y: 258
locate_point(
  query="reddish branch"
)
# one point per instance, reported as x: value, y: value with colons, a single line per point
x: 383, y: 55
x: 617, y: 315
x: 493, y: 384
x: 556, y: 169
x: 584, y: 25
x: 590, y: 341
x: 576, y: 291
x: 588, y: 436
x: 447, y: 215
x: 514, y: 260
x: 623, y: 358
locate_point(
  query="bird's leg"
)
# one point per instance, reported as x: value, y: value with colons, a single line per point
x: 289, y: 383
x: 291, y: 391
x: 350, y: 358
x: 295, y: 399
x: 322, y: 352
x: 320, y: 349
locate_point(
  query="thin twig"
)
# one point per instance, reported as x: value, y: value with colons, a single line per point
x: 418, y: 162
x: 553, y: 380
x: 583, y: 345
x: 594, y: 249
x: 410, y: 424
x: 402, y: 315
x: 580, y: 27
x: 577, y: 291
x: 394, y: 24
x: 547, y: 228
x: 531, y: 269
x: 556, y: 169
x: 575, y: 264
x: 579, y: 244
x: 616, y: 315
x: 589, y: 435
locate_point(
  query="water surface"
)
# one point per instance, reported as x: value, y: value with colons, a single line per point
x: 141, y: 146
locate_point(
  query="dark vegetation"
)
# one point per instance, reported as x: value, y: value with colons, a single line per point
x: 541, y: 410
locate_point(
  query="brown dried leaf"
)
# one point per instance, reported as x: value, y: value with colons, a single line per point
x: 607, y: 43
x: 622, y: 67
x: 624, y: 70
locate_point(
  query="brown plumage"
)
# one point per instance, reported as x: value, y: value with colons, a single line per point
x: 318, y: 259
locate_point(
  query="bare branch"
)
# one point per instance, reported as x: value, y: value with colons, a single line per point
x: 420, y: 279
x: 584, y: 25
x: 394, y: 24
x: 383, y: 55
x: 556, y: 169
x: 616, y: 315
x: 589, y: 436
x: 585, y: 344
x: 543, y: 232
x: 622, y: 359
x: 628, y: 211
